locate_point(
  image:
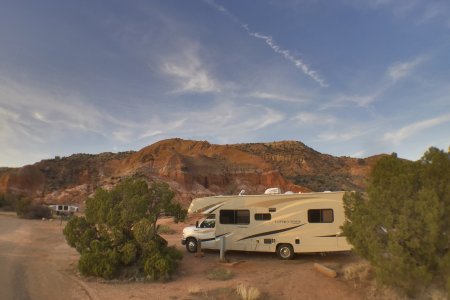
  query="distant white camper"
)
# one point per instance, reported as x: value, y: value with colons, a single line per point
x: 281, y: 223
x: 63, y: 209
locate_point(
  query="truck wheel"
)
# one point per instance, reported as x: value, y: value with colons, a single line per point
x: 191, y: 245
x: 285, y: 251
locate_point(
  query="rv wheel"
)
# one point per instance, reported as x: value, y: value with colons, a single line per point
x: 191, y: 245
x: 285, y: 251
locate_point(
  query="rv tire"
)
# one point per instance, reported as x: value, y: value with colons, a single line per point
x: 191, y: 245
x: 285, y: 251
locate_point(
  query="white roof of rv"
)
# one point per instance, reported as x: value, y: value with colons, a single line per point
x: 208, y: 204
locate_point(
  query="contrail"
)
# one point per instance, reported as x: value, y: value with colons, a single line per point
x: 298, y: 63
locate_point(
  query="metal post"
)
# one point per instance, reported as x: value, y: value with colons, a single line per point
x: 199, y: 249
x: 222, y: 249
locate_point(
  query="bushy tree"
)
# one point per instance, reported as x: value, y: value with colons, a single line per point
x: 402, y: 224
x: 7, y: 202
x: 119, y: 231
x: 25, y: 208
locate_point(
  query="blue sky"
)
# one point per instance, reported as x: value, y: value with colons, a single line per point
x: 346, y: 77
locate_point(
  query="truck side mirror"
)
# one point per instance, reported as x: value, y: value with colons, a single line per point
x: 196, y: 224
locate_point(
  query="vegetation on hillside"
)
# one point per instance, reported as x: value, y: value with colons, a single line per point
x: 118, y: 235
x: 402, y: 224
x: 8, y: 202
x: 24, y: 207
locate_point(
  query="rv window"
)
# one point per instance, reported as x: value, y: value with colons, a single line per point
x: 242, y: 217
x: 263, y: 217
x: 320, y: 216
x: 228, y: 216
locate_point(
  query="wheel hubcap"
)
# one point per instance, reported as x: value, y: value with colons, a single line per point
x: 191, y: 246
x: 285, y: 252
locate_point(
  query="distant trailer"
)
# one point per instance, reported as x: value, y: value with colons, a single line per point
x: 64, y: 209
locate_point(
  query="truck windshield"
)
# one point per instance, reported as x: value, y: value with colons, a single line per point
x: 208, y: 223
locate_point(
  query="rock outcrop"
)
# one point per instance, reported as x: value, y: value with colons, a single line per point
x: 192, y: 169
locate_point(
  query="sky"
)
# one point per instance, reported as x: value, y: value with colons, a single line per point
x: 346, y: 77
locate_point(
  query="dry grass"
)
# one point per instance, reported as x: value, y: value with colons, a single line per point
x: 248, y: 292
x: 359, y: 272
x: 436, y: 294
x: 194, y: 290
x: 219, y: 274
x: 165, y: 229
x: 215, y: 294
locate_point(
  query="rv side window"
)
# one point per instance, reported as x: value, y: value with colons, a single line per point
x: 320, y: 216
x: 228, y: 216
x: 263, y: 217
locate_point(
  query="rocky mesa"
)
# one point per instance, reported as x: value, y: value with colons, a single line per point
x: 192, y: 168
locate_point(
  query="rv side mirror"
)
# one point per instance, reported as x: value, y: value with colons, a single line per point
x: 196, y: 224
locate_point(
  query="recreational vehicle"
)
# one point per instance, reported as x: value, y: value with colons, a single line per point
x: 274, y: 222
x: 63, y: 209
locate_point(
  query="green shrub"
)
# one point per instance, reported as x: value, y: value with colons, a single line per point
x: 118, y: 233
x: 79, y: 233
x: 103, y: 264
x: 158, y: 266
x: 401, y: 225
x: 7, y: 202
x: 26, y: 209
x: 128, y: 253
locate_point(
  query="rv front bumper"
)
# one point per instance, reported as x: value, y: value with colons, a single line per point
x: 183, y: 242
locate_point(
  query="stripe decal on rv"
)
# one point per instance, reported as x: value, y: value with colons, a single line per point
x: 331, y: 235
x: 271, y: 232
x: 221, y: 204
x: 211, y: 239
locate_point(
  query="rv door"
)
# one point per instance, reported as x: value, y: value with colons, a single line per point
x: 234, y: 224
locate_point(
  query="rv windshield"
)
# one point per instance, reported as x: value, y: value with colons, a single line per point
x: 208, y: 222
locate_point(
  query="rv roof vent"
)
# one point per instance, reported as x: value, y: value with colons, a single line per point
x: 242, y: 193
x: 272, y: 191
x: 289, y: 193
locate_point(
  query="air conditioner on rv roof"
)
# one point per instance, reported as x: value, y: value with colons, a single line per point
x: 272, y: 191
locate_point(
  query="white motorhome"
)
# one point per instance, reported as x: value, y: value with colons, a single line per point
x: 282, y: 223
x: 63, y: 209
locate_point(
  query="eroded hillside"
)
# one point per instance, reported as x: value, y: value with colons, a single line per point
x: 192, y: 168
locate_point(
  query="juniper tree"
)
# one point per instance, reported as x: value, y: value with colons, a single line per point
x: 402, y: 225
x: 118, y: 232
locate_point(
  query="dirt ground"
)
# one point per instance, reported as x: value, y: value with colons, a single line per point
x: 38, y: 264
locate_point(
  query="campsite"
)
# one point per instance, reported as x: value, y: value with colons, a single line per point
x: 51, y: 270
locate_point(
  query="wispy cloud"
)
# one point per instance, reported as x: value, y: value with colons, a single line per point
x: 224, y: 122
x: 315, y: 119
x: 419, y: 11
x: 269, y: 40
x: 400, y: 70
x: 340, y: 136
x: 298, y: 63
x: 435, y: 10
x: 189, y: 71
x: 276, y: 97
x: 414, y: 128
x: 391, y: 76
x: 158, y: 128
x: 360, y: 153
x: 33, y: 118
